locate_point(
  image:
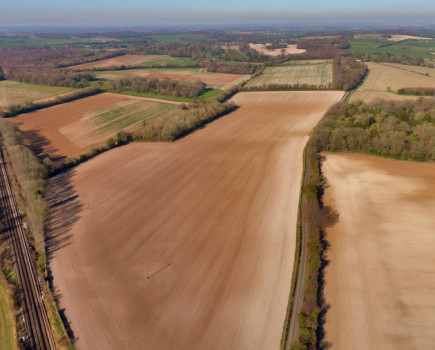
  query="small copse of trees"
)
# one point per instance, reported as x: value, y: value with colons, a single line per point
x: 347, y: 73
x: 158, y: 86
x: 402, y: 130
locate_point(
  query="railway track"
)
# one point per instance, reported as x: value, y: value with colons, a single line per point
x: 36, y: 321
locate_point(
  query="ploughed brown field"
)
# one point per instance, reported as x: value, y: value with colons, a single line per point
x: 380, y: 282
x: 188, y: 245
x: 72, y: 128
x: 124, y: 60
x: 217, y: 80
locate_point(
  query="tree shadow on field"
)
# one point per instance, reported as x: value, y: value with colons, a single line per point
x: 65, y: 207
x: 40, y: 145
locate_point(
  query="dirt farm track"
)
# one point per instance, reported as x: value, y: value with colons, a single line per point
x: 188, y: 245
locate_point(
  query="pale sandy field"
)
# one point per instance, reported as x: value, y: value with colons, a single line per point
x: 394, y: 76
x: 188, y: 245
x: 380, y: 283
x: 289, y: 50
x: 397, y: 37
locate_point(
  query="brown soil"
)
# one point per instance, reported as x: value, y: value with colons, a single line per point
x: 221, y: 79
x: 218, y: 80
x: 127, y: 60
x: 186, y: 245
x: 41, y: 127
x: 380, y: 283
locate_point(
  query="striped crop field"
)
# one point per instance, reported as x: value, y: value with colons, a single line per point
x: 319, y: 74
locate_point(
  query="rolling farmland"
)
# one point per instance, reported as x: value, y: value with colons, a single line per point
x: 12, y: 92
x: 380, y: 284
x: 385, y: 78
x: 72, y: 128
x: 205, y: 224
x: 134, y: 60
x: 215, y: 80
x: 309, y: 74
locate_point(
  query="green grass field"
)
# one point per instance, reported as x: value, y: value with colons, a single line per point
x: 319, y: 74
x: 7, y: 336
x: 412, y: 48
x: 12, y: 92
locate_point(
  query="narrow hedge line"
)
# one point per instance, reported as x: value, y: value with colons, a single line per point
x: 316, y: 217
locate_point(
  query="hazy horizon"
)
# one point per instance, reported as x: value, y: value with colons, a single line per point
x: 194, y: 12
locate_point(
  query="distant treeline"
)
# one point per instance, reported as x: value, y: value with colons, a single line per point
x: 35, y: 75
x: 403, y: 130
x: 158, y: 86
x: 194, y: 50
x: 347, y: 73
x: 420, y: 91
x: 34, y: 58
x: 286, y: 87
x: 32, y: 106
x: 321, y: 48
x: 136, y: 66
x: 231, y: 68
x: 386, y: 57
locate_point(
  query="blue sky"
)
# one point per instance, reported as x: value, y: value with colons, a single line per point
x: 135, y: 12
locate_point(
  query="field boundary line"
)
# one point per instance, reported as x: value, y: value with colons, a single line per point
x: 289, y: 319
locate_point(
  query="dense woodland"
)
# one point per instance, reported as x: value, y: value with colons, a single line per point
x: 158, y: 86
x: 50, y: 58
x: 193, y: 50
x: 403, y: 130
x: 46, y: 76
x: 230, y: 68
x: 347, y: 73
